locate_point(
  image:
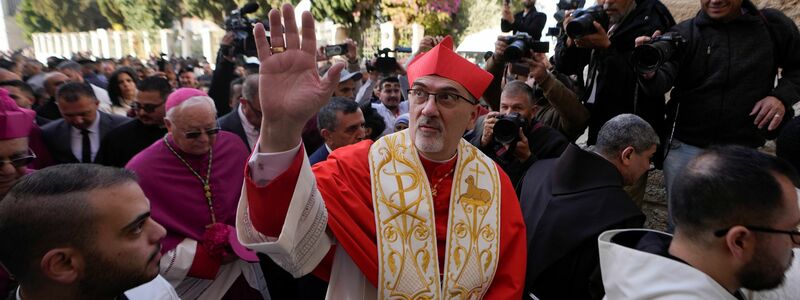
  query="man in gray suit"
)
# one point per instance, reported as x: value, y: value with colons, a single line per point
x: 76, y: 137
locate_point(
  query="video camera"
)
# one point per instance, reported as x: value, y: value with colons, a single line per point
x: 244, y: 43
x: 385, y: 64
x: 582, y: 22
x: 520, y: 44
x: 506, y: 130
x: 649, y: 57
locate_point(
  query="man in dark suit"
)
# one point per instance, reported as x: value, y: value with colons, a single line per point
x: 76, y: 137
x: 568, y: 201
x: 528, y: 20
x: 340, y: 123
x: 245, y: 121
x: 127, y: 140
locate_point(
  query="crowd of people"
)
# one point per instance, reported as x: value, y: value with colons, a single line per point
x: 296, y: 175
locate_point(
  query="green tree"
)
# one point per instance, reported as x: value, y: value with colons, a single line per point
x: 218, y: 10
x: 71, y: 15
x: 354, y: 15
x: 140, y: 14
x: 434, y: 15
x: 31, y: 20
x: 477, y: 15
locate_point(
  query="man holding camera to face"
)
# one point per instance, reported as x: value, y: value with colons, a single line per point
x: 512, y: 138
x: 602, y: 37
x: 724, y: 78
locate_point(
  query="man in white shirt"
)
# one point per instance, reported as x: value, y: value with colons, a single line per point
x: 81, y: 231
x: 76, y: 136
x: 736, y: 216
x: 245, y: 121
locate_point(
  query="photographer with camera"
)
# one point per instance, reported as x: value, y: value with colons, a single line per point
x: 602, y: 37
x: 512, y: 138
x: 528, y: 20
x: 724, y: 79
x: 559, y: 107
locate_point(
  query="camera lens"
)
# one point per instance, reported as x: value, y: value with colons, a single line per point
x: 516, y: 50
x: 581, y: 26
x: 647, y: 58
x: 505, y: 131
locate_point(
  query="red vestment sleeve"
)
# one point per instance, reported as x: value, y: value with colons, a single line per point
x: 269, y: 205
x: 203, y: 266
x: 509, y: 280
x: 268, y: 215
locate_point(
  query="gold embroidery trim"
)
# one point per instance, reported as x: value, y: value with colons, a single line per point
x: 405, y: 226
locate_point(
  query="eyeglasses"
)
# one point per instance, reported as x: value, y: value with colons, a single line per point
x: 196, y: 134
x: 795, y: 234
x: 135, y: 106
x: 19, y: 161
x: 448, y: 100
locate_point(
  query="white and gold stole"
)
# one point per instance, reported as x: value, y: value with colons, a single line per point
x: 406, y: 233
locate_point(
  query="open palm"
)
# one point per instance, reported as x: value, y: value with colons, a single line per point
x: 290, y: 88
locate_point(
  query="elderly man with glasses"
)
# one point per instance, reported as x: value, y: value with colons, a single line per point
x: 15, y: 126
x: 193, y: 178
x: 736, y: 218
x: 125, y: 141
x: 419, y: 213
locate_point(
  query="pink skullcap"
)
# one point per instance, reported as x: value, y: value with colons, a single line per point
x: 15, y: 122
x: 182, y: 94
x: 442, y: 61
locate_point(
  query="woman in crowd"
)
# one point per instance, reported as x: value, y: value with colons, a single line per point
x: 122, y: 90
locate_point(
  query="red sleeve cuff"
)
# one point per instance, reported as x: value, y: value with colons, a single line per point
x: 203, y: 266
x: 268, y: 215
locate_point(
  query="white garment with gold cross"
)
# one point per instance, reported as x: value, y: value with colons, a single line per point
x: 405, y: 225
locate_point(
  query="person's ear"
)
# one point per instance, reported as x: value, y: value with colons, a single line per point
x: 473, y: 116
x: 325, y: 133
x: 740, y: 243
x: 63, y: 265
x: 626, y: 155
x: 170, y: 126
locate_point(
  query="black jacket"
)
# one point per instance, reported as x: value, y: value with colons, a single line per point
x: 616, y: 78
x: 532, y: 23
x: 544, y: 142
x: 724, y: 69
x: 56, y: 135
x: 231, y: 122
x: 566, y: 203
x: 125, y: 141
x: 220, y: 89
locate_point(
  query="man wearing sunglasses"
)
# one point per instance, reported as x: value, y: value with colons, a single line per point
x: 736, y: 225
x: 193, y: 178
x: 15, y: 126
x: 125, y: 141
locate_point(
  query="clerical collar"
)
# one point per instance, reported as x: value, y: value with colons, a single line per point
x: 423, y: 158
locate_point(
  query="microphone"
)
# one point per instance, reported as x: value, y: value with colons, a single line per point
x: 248, y: 8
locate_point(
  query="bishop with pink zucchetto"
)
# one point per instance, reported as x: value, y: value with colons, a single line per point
x: 193, y: 179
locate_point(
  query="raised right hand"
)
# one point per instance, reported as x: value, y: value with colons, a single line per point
x: 290, y: 88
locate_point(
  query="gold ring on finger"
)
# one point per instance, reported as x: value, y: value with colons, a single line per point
x: 278, y: 49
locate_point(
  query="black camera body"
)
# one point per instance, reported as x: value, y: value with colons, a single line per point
x: 244, y: 43
x: 385, y: 64
x: 582, y: 22
x: 520, y: 44
x: 649, y: 57
x: 506, y: 130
